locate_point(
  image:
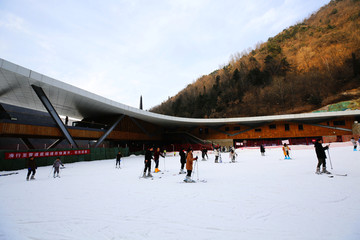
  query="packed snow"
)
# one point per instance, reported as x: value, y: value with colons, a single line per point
x: 257, y: 197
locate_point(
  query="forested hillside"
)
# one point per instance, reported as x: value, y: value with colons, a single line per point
x: 305, y: 67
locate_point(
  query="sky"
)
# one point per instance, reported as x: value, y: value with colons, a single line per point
x: 124, y: 49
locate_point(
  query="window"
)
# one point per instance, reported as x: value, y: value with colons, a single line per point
x: 236, y: 128
x: 227, y: 129
x: 301, y: 127
x: 206, y: 131
x: 257, y: 129
x: 287, y: 127
x: 272, y: 126
x: 200, y: 130
x: 339, y: 123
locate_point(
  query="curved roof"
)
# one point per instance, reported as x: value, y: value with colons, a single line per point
x: 68, y: 100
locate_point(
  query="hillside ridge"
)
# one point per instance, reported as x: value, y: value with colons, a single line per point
x: 305, y: 67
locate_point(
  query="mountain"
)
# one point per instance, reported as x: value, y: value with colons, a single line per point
x: 303, y: 68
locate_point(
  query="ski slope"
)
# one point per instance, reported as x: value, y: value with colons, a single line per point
x: 258, y: 197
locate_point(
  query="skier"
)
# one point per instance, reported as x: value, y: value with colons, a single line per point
x: 148, y: 157
x: 56, y: 166
x: 189, y: 165
x: 262, y: 150
x: 204, y: 153
x: 157, y: 155
x: 31, y: 164
x: 182, y: 161
x: 232, y: 155
x: 353, y: 141
x: 321, y: 156
x: 118, y: 159
x: 217, y: 153
x: 286, y: 150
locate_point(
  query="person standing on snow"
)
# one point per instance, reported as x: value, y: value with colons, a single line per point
x: 189, y: 165
x: 321, y: 156
x: 204, y: 153
x: 262, y: 150
x: 148, y: 157
x: 217, y: 154
x: 56, y: 166
x: 31, y: 164
x: 182, y: 160
x: 286, y: 149
x: 157, y: 155
x: 353, y: 141
x: 118, y: 159
x: 232, y: 155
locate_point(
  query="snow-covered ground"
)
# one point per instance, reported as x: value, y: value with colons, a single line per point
x: 255, y: 198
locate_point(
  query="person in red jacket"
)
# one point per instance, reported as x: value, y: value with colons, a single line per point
x: 157, y: 155
x: 189, y: 165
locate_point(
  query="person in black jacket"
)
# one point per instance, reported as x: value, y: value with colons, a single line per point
x: 262, y: 150
x: 182, y: 161
x: 118, y: 159
x: 31, y: 164
x: 321, y: 156
x: 148, y: 157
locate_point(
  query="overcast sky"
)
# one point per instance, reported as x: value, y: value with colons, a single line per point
x: 121, y: 49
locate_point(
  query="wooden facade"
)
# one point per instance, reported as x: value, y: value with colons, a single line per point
x: 130, y: 129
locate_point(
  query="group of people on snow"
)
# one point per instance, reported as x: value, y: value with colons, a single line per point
x: 187, y: 159
x: 32, y: 166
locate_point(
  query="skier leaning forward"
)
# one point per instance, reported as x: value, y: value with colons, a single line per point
x: 321, y: 156
x: 56, y: 166
x: 189, y: 165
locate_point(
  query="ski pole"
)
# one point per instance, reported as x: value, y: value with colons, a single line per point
x: 164, y: 165
x: 197, y: 169
x: 329, y: 158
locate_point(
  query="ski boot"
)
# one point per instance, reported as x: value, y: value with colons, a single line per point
x: 325, y: 171
x: 149, y: 174
x: 144, y: 175
x: 32, y: 177
x: 188, y: 180
x: 182, y: 171
x: 318, y: 171
x: 27, y: 178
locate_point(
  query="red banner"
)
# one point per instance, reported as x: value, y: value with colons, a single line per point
x: 15, y: 155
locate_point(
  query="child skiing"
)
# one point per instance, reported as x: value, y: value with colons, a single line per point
x: 56, y: 166
x: 189, y: 165
x: 286, y: 150
x: 321, y: 156
x: 31, y: 164
x: 118, y: 159
x: 182, y: 161
x: 157, y: 155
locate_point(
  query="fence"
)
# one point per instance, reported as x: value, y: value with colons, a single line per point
x: 95, y: 154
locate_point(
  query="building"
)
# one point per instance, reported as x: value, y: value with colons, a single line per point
x: 37, y: 111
